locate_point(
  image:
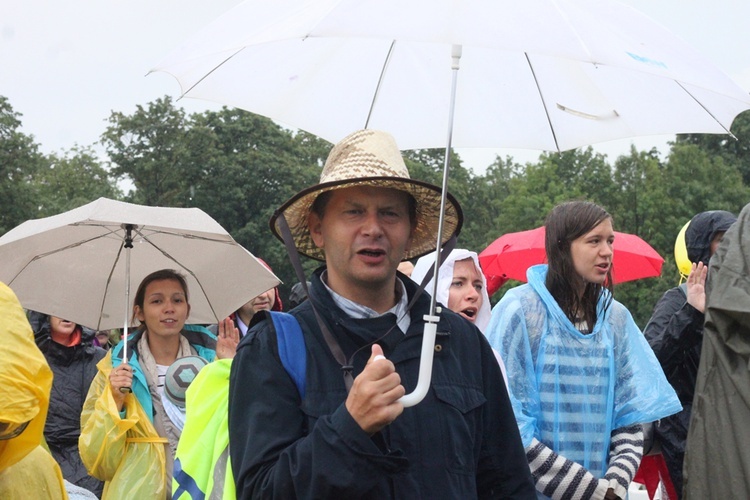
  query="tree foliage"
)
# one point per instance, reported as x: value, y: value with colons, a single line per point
x: 240, y: 167
x: 72, y: 180
x: 20, y: 160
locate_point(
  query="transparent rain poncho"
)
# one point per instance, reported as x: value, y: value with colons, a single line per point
x: 571, y: 390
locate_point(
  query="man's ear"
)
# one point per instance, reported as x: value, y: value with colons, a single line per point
x: 314, y: 225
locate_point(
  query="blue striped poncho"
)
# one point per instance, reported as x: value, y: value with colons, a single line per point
x: 570, y: 390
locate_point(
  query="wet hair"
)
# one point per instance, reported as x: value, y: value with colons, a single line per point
x: 321, y: 202
x: 564, y: 224
x: 162, y: 274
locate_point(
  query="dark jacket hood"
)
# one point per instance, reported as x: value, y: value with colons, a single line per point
x: 702, y: 230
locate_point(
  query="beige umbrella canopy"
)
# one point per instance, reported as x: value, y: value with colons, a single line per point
x: 74, y: 265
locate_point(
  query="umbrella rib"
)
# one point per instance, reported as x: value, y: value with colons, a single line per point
x: 106, y: 286
x: 541, y: 98
x: 140, y: 232
x: 706, y: 110
x: 186, y: 269
x: 380, y: 82
x: 57, y: 250
x: 222, y: 63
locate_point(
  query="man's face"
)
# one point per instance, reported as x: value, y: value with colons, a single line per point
x: 102, y: 336
x: 364, y: 232
x: 264, y: 301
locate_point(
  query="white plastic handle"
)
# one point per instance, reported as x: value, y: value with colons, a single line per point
x: 425, y: 363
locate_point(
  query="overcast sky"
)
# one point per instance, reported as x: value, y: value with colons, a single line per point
x: 66, y: 65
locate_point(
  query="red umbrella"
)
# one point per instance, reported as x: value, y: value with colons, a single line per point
x: 509, y: 256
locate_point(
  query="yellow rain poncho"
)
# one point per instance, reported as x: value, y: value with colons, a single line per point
x: 27, y: 470
x: 126, y: 452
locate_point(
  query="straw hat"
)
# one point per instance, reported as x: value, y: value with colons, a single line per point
x: 371, y: 158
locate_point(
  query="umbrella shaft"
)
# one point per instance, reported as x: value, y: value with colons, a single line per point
x: 456, y: 57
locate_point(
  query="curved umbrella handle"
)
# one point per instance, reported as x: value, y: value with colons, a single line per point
x: 425, y: 363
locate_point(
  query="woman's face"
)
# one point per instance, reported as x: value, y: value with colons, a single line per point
x: 61, y: 326
x: 716, y: 242
x: 165, y: 308
x: 592, y: 253
x: 465, y: 294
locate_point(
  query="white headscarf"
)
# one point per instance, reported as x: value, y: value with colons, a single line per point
x: 445, y: 278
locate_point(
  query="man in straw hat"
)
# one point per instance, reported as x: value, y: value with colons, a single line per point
x: 349, y: 436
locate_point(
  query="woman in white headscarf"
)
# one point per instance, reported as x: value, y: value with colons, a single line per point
x: 462, y: 288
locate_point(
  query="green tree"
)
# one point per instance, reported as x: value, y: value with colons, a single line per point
x: 151, y: 149
x: 249, y: 167
x: 20, y: 161
x: 71, y: 181
x: 734, y: 150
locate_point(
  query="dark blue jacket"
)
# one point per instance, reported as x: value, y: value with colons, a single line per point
x: 461, y: 441
x: 74, y: 368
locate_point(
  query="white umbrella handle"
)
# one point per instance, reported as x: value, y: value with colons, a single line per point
x: 425, y: 363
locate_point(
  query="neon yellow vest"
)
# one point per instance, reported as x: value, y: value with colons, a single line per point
x: 202, y: 468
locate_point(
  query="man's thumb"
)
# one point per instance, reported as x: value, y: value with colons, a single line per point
x: 377, y: 353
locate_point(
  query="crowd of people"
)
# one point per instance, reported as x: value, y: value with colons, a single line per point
x: 546, y: 395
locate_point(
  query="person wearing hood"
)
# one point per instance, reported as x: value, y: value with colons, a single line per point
x: 27, y: 470
x: 582, y: 379
x: 461, y: 287
x: 716, y: 460
x: 675, y: 333
x: 71, y: 354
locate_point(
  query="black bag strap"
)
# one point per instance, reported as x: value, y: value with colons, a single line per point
x: 333, y: 345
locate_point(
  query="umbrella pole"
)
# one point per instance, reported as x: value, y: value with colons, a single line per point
x: 128, y: 246
x: 431, y: 320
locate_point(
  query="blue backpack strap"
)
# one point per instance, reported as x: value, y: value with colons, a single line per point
x: 292, y: 349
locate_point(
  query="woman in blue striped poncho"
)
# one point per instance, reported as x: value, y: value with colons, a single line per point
x: 582, y: 378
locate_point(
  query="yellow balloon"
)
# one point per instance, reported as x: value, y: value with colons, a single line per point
x: 680, y: 252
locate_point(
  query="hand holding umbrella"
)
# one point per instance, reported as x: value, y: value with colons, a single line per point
x: 121, y: 380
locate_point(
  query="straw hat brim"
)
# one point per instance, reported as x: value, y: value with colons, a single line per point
x: 427, y: 196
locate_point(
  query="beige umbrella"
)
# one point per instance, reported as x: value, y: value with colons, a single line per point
x: 81, y: 265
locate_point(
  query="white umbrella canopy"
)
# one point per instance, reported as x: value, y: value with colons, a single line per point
x: 539, y: 74
x: 73, y: 265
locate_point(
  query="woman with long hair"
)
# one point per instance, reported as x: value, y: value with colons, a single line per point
x: 127, y: 438
x: 582, y: 378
